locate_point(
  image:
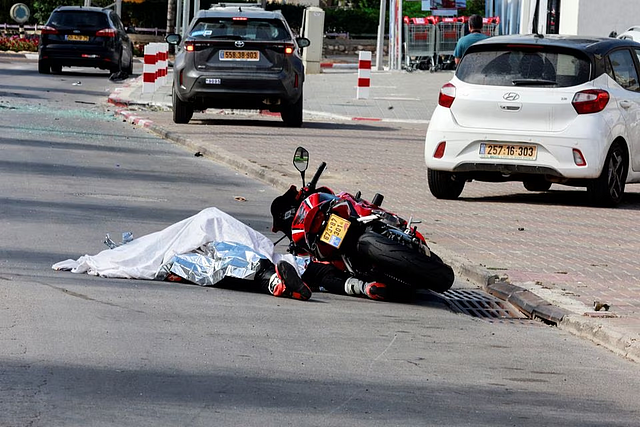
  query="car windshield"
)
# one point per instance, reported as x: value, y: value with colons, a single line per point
x: 236, y: 29
x: 79, y: 19
x: 523, y: 68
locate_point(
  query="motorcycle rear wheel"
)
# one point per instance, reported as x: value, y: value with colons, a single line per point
x: 405, y: 263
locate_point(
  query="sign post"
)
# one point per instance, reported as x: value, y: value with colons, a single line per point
x: 20, y: 13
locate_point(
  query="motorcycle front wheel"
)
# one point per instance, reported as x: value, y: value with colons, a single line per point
x: 405, y: 263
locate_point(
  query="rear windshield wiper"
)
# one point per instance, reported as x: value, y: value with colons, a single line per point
x: 533, y: 82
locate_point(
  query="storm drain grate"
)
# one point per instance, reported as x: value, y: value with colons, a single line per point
x: 480, y: 304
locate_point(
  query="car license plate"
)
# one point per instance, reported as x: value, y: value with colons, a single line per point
x: 213, y: 81
x: 239, y: 55
x: 77, y: 38
x: 508, y: 151
x: 335, y: 231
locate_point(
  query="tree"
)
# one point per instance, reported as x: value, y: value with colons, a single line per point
x: 475, y: 7
x: 42, y: 8
x: 171, y: 16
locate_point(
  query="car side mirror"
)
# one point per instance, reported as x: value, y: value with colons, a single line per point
x: 173, y: 39
x: 303, y: 42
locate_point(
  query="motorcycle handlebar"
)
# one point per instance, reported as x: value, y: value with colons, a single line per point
x: 316, y: 177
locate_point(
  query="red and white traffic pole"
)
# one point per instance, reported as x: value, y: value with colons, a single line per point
x: 149, y: 69
x: 162, y: 64
x: 364, y: 74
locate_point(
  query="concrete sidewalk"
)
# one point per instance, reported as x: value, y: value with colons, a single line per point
x: 331, y: 94
x: 554, y: 258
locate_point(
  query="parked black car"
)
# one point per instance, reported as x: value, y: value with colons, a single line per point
x: 76, y: 36
x: 239, y: 58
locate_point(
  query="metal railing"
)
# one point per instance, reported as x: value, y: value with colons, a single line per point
x: 5, y: 28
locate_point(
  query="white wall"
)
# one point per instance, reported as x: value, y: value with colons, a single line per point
x: 598, y: 17
x: 569, y: 16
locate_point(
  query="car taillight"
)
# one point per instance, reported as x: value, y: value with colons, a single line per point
x: 189, y: 46
x: 48, y: 30
x: 447, y: 95
x: 439, y: 153
x: 106, y: 32
x: 288, y: 49
x: 590, y: 101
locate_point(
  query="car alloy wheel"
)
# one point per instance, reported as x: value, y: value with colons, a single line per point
x: 536, y: 184
x: 608, y: 188
x: 292, y: 114
x: 44, y: 67
x: 182, y: 111
x: 443, y: 185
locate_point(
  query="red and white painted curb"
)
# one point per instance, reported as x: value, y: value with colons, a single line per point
x: 133, y: 118
x: 339, y: 65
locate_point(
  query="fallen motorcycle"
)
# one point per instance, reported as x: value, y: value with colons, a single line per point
x: 359, y: 236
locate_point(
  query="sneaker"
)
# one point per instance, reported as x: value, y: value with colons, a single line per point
x: 287, y: 283
x: 376, y: 290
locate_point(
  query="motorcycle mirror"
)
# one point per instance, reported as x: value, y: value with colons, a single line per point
x: 301, y: 161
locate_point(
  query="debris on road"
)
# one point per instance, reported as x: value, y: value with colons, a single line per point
x: 126, y: 238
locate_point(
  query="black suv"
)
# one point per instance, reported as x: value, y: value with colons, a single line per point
x: 76, y: 36
x: 239, y: 58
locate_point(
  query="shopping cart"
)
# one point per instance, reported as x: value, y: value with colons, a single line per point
x: 419, y: 45
x: 448, y: 32
x: 491, y: 26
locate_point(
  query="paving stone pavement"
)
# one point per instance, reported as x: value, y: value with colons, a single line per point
x: 552, y: 247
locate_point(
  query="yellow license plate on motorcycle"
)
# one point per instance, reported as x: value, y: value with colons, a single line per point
x: 335, y: 231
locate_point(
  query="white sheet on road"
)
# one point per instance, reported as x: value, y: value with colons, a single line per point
x: 143, y: 257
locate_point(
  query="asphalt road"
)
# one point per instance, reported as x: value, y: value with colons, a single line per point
x: 78, y: 350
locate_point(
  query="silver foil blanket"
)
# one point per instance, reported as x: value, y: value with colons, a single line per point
x: 213, y: 262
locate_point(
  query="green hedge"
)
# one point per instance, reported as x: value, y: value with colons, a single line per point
x: 352, y: 21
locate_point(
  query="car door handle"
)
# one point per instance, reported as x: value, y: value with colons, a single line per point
x: 625, y: 104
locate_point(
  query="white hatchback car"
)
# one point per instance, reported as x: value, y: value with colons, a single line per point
x: 632, y: 33
x: 540, y: 110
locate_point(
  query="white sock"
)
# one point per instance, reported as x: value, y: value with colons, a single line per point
x: 353, y: 286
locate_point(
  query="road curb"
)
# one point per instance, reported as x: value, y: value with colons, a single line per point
x: 219, y: 154
x: 619, y: 342
x: 527, y: 302
x: 339, y: 65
